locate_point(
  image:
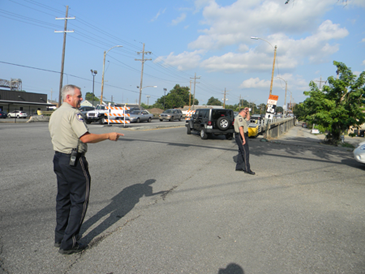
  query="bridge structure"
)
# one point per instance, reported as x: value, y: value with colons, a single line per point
x: 13, y: 84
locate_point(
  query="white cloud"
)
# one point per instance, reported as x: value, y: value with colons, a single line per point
x: 363, y: 40
x: 363, y: 62
x: 158, y: 15
x: 357, y: 73
x: 305, y: 39
x: 178, y: 20
x: 290, y: 52
x: 243, y: 48
x: 183, y: 61
x: 237, y: 22
x: 255, y: 83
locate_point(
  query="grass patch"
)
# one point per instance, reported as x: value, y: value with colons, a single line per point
x: 346, y: 145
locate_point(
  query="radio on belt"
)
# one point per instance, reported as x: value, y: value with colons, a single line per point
x: 73, y: 157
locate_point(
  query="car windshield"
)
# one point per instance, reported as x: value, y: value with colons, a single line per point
x: 135, y: 112
x: 168, y: 111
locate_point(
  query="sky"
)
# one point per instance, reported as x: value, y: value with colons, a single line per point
x: 209, y: 39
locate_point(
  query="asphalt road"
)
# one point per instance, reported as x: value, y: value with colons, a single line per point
x: 163, y: 201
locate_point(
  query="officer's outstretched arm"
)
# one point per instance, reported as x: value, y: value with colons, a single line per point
x: 96, y: 138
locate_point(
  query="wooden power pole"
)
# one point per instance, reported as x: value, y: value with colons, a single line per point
x: 63, y: 53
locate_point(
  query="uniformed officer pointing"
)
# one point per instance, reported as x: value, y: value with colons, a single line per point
x: 70, y: 136
x: 241, y: 136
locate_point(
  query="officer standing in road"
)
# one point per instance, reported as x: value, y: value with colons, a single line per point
x: 70, y: 136
x: 241, y: 130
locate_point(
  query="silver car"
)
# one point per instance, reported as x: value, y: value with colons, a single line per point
x: 171, y: 115
x: 137, y: 116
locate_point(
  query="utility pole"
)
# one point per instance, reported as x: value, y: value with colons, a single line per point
x: 224, y: 98
x: 142, y: 61
x: 320, y: 83
x: 273, y: 67
x: 195, y: 82
x: 102, y: 76
x: 190, y: 95
x: 63, y: 52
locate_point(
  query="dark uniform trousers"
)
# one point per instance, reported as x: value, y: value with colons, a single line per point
x: 243, y: 158
x: 72, y: 198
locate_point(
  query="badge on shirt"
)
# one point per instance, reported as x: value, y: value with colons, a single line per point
x: 240, y: 119
x: 79, y: 117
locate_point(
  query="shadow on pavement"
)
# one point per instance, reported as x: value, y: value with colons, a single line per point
x: 120, y: 205
x: 232, y: 268
x: 295, y: 148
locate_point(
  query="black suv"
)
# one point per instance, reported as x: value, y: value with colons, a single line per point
x: 212, y: 122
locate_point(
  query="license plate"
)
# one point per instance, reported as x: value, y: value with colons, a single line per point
x: 209, y: 127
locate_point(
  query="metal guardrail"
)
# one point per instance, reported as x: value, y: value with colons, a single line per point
x: 277, y: 127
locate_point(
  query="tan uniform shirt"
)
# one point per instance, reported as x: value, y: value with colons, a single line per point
x: 240, y: 122
x: 66, y: 126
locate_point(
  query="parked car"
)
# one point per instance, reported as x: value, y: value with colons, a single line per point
x: 3, y: 114
x: 304, y: 125
x: 212, y: 122
x: 253, y: 130
x: 137, y: 116
x: 17, y: 114
x: 257, y: 118
x: 171, y: 115
x: 359, y: 153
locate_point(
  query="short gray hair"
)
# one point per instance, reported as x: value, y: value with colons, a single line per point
x: 69, y: 90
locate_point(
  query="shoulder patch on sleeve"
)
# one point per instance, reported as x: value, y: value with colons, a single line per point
x: 79, y: 117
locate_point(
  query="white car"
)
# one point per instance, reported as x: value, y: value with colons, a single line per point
x: 359, y: 153
x: 17, y: 114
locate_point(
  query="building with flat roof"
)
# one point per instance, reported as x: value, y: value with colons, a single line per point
x: 26, y: 101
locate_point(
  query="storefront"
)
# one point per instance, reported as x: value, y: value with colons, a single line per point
x: 25, y: 101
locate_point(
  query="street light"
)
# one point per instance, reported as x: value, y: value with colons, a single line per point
x: 140, y: 94
x: 273, y: 65
x: 93, y: 73
x: 286, y: 87
x: 102, y: 78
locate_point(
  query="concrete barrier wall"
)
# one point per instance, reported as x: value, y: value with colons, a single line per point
x: 279, y: 127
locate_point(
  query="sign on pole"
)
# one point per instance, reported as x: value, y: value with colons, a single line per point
x: 271, y: 106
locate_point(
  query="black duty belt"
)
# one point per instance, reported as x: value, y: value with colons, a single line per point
x: 68, y: 154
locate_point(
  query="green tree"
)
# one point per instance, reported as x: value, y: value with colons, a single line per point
x: 299, y: 112
x: 143, y: 105
x: 339, y: 105
x: 176, y: 98
x: 89, y: 96
x: 214, y: 102
x: 279, y: 109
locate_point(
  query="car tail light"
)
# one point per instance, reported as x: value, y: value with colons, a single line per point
x: 209, y: 123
